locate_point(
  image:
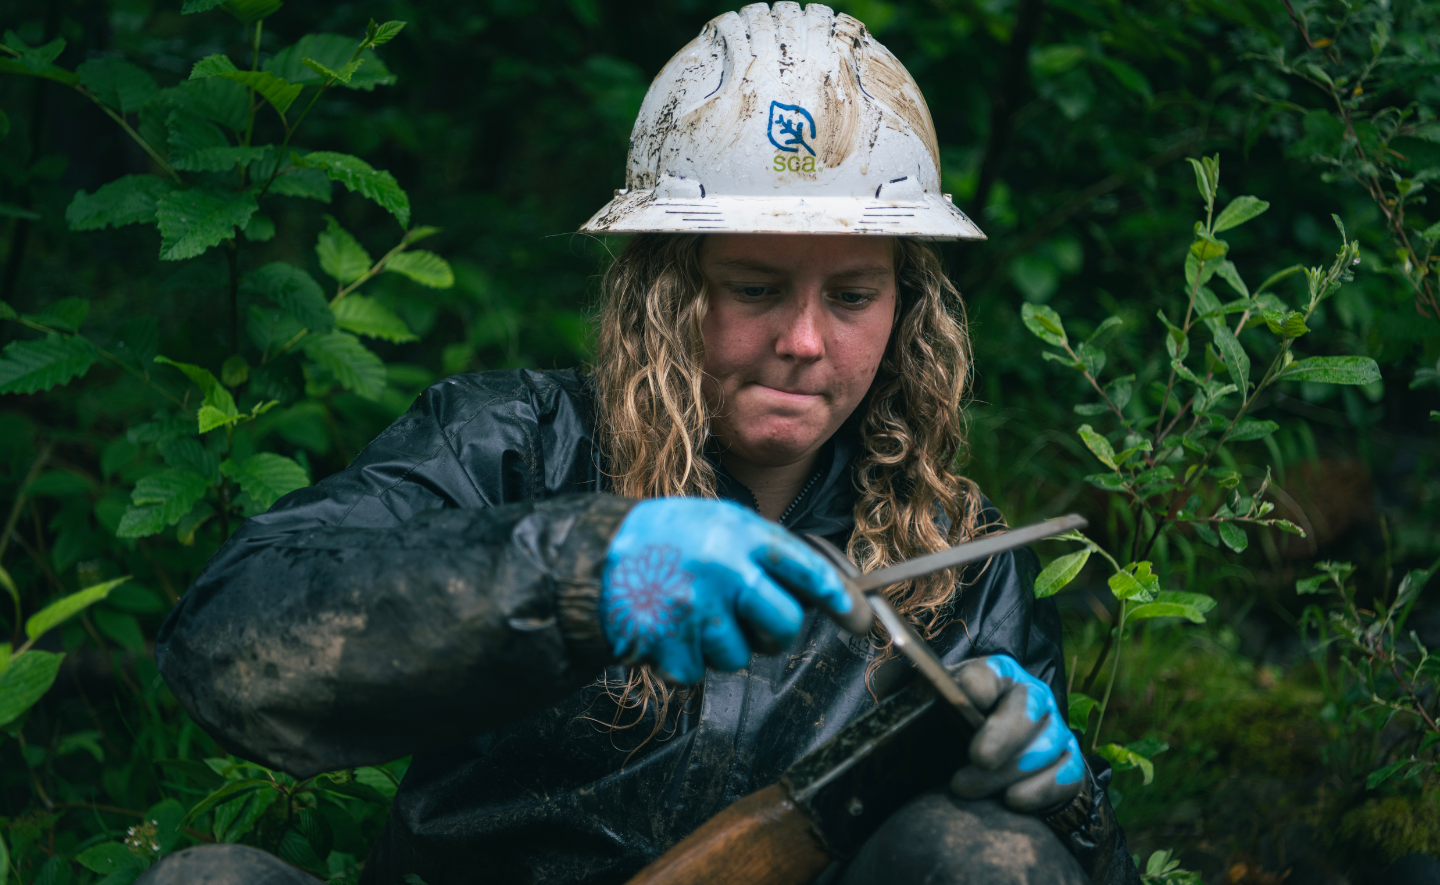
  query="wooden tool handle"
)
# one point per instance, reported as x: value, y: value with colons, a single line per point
x: 763, y: 839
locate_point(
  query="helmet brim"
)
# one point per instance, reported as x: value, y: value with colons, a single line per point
x: 641, y: 211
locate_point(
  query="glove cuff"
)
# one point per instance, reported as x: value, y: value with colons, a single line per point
x: 577, y: 565
x: 1089, y: 830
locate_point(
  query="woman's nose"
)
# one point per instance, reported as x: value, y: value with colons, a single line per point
x: 801, y: 335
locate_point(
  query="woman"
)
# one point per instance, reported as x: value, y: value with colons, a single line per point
x: 524, y: 580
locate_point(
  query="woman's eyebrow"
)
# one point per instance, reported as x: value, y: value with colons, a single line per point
x: 869, y: 270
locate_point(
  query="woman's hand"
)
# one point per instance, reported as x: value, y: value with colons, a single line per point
x: 691, y: 581
x: 1025, y: 747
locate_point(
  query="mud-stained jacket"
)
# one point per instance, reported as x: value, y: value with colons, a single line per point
x: 438, y: 598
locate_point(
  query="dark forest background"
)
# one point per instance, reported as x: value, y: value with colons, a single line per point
x: 1064, y: 128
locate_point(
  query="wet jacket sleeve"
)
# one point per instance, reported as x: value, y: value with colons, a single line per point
x: 397, y: 606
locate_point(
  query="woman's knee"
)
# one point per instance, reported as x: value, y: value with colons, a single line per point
x: 940, y: 840
x: 224, y: 865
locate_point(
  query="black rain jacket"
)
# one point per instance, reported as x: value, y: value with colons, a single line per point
x: 437, y: 598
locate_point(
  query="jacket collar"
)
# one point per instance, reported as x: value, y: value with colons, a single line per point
x: 826, y: 506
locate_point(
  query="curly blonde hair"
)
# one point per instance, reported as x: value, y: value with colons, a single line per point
x: 654, y: 422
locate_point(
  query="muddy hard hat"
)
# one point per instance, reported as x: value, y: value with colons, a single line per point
x: 784, y: 120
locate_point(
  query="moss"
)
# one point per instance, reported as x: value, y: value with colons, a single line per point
x: 1390, y: 827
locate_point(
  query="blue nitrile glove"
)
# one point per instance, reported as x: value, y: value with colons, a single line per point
x: 686, y: 579
x: 1025, y: 746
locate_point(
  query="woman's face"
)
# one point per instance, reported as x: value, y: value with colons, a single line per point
x: 795, y: 330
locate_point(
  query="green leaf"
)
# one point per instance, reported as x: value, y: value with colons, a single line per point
x: 197, y: 145
x: 1207, y: 534
x: 1098, y: 445
x: 1334, y: 370
x: 250, y: 11
x: 1237, y: 362
x: 1044, y: 323
x: 1207, y: 249
x: 1137, y: 583
x: 1384, y: 773
x: 266, y: 477
x: 1174, y: 604
x: 368, y: 317
x: 60, y: 610
x: 171, y: 492
x: 1053, y: 578
x: 35, y: 58
x: 118, y: 84
x: 359, y: 177
x: 1286, y: 324
x: 425, y: 268
x: 278, y: 92
x: 25, y: 681
x: 35, y: 365
x: 1129, y: 77
x: 110, y: 857
x: 1410, y: 586
x: 1233, y: 536
x: 1249, y: 429
x: 341, y: 255
x: 1226, y: 271
x: 385, y: 33
x: 216, y: 396
x: 1240, y: 210
x: 1110, y: 482
x: 1078, y: 716
x: 1124, y: 759
x: 230, y: 790
x: 186, y: 453
x: 260, y: 229
x: 67, y: 314
x: 192, y: 221
x: 212, y: 66
x: 342, y: 75
x: 128, y: 200
x: 331, y: 51
x: 294, y: 290
x: 354, y: 366
x: 1202, y: 180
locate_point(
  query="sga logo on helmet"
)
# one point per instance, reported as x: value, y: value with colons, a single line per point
x: 787, y: 132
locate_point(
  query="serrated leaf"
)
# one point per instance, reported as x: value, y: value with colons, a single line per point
x: 1044, y: 323
x: 128, y: 200
x: 67, y: 314
x: 280, y: 93
x: 186, y: 453
x: 212, y: 66
x: 170, y: 495
x: 368, y: 317
x: 25, y: 681
x: 425, y: 268
x: 1138, y: 583
x: 341, y: 255
x: 31, y: 366
x: 1233, y: 536
x: 352, y: 364
x: 1334, y: 370
x: 361, y: 178
x: 36, y: 59
x: 342, y: 75
x: 213, y: 98
x: 1240, y: 210
x: 332, y: 51
x: 57, y: 612
x: 118, y: 84
x: 1098, y: 445
x: 386, y: 32
x: 1249, y: 429
x: 294, y: 290
x: 192, y: 221
x: 1053, y: 578
x: 197, y: 145
x: 266, y: 477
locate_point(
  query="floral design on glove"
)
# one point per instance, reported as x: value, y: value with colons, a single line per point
x: 650, y: 593
x: 1025, y: 748
x: 691, y: 582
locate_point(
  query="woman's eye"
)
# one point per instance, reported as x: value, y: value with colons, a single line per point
x: 853, y: 299
x: 752, y: 291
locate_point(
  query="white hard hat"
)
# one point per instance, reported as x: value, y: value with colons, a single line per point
x: 784, y: 121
